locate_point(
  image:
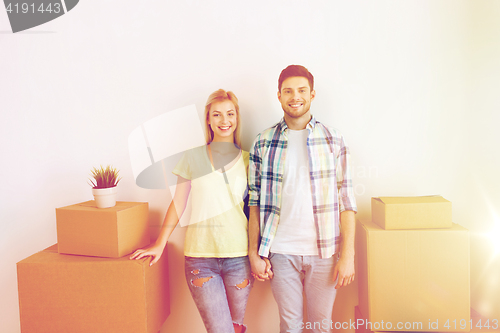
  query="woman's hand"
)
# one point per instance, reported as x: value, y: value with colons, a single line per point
x: 261, y: 268
x: 155, y: 251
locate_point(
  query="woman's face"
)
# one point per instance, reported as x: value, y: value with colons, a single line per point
x: 222, y: 119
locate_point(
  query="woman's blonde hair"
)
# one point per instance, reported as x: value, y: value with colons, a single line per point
x: 220, y: 96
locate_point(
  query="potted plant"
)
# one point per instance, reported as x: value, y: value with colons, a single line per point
x: 104, y: 186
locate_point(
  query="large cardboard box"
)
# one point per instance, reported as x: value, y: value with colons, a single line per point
x: 411, y: 212
x: 413, y: 275
x: 102, y: 232
x: 61, y: 293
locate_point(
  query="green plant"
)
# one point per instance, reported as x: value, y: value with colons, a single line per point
x: 104, y: 178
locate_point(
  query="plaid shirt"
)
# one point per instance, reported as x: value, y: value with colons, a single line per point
x: 330, y: 180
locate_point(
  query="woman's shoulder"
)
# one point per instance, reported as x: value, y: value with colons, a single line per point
x: 196, y: 151
x: 192, y: 163
x: 195, y: 155
x: 245, y: 156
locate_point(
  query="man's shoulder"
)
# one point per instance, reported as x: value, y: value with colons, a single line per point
x: 327, y: 130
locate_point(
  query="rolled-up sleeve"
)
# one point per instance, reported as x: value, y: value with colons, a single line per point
x: 254, y: 167
x: 347, y: 201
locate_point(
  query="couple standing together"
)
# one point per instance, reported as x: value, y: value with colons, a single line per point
x: 300, y: 233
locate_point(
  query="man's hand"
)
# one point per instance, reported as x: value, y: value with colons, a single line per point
x: 261, y: 268
x: 344, y: 270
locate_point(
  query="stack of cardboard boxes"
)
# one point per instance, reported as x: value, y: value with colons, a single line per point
x: 413, y: 267
x: 87, y: 283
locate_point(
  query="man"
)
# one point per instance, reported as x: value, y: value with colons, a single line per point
x: 302, y: 206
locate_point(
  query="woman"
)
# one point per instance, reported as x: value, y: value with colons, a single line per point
x: 216, y: 245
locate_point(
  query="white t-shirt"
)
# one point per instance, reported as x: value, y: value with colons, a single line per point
x: 296, y: 232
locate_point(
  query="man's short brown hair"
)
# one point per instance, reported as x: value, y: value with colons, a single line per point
x: 296, y: 70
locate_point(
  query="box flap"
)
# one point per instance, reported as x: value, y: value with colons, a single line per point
x: 50, y: 255
x: 371, y: 226
x: 91, y: 205
x: 412, y: 200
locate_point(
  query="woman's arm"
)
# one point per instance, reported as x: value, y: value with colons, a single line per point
x: 174, y: 212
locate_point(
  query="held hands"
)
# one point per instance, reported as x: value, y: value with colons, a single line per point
x: 261, y: 268
x: 344, y: 270
x: 154, y: 251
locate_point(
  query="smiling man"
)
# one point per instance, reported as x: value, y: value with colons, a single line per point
x: 302, y: 206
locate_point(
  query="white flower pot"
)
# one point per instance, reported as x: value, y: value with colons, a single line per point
x: 105, y: 197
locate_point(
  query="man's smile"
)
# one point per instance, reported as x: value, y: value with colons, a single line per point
x: 295, y: 105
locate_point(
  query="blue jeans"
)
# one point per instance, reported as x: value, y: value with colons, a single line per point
x: 220, y: 289
x: 295, y: 276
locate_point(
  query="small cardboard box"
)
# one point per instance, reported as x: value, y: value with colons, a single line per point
x: 413, y: 275
x: 60, y: 293
x: 411, y: 212
x: 111, y: 232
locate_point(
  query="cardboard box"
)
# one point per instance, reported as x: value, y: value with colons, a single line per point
x: 102, y: 232
x: 413, y: 275
x: 61, y: 293
x: 361, y: 326
x: 477, y: 322
x: 411, y: 212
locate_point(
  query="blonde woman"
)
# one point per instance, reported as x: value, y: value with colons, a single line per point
x: 216, y: 245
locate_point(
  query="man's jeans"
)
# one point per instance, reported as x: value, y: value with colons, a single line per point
x: 295, y: 275
x: 220, y: 289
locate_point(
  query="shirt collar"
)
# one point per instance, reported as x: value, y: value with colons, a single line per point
x: 310, y: 125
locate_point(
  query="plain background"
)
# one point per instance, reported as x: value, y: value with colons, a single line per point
x: 413, y: 86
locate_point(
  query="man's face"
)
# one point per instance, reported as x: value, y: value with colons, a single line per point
x: 296, y: 97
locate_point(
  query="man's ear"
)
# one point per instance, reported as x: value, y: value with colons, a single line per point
x: 313, y: 94
x: 279, y: 96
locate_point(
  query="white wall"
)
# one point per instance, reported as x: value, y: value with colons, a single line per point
x: 412, y: 85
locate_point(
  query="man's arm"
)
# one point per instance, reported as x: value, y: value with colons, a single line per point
x: 261, y: 267
x: 344, y: 269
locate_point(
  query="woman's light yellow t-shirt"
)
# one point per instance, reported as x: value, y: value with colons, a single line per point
x: 217, y: 227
